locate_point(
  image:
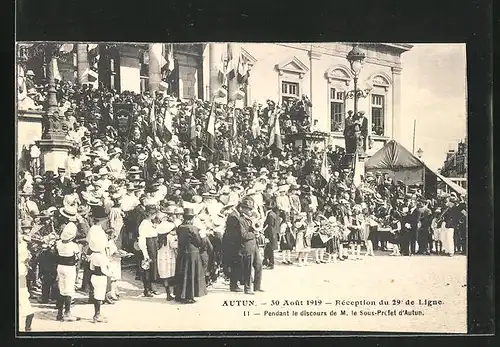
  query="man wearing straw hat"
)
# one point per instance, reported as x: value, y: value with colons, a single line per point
x: 67, y: 256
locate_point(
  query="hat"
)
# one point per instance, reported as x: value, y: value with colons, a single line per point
x: 306, y: 189
x: 30, y: 73
x: 44, y: 214
x: 98, y: 212
x: 194, y: 182
x: 26, y: 223
x: 68, y: 212
x: 225, y: 190
x: 189, y: 211
x: 247, y: 203
x: 114, y: 151
x: 69, y: 232
x: 173, y: 168
x: 294, y: 187
x: 213, y: 193
x: 179, y: 210
x: 263, y: 171
x: 251, y: 192
x: 61, y: 170
x: 103, y: 171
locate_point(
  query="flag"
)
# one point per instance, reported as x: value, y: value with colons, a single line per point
x: 234, y: 128
x: 192, y: 128
x: 243, y: 73
x: 157, y: 54
x: 170, y: 58
x: 209, y: 134
x: 55, y: 69
x: 254, y: 121
x: 324, y: 168
x: 222, y: 70
x: 275, y: 135
x: 168, y: 124
x: 232, y: 64
x: 152, y: 118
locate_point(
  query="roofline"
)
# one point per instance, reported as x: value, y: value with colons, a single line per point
x: 403, y: 47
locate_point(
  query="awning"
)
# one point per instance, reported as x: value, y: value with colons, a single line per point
x: 452, y: 185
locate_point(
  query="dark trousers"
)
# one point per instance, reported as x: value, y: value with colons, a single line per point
x: 423, y: 240
x: 404, y: 243
x: 49, y: 287
x: 252, y: 260
x: 236, y: 272
x: 268, y: 255
x: 413, y: 237
x: 147, y: 280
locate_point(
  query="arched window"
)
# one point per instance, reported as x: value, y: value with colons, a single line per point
x: 290, y: 77
x: 379, y: 103
x: 339, y: 78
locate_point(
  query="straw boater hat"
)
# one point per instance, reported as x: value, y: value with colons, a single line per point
x: 69, y: 213
x: 114, y: 151
x: 173, y: 168
x: 69, y: 233
x: 103, y: 171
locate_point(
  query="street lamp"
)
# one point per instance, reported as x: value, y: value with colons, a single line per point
x: 419, y: 153
x: 355, y: 58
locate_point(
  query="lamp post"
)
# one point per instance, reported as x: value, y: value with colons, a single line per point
x: 355, y: 58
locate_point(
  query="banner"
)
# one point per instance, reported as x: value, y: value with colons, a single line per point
x: 123, y: 118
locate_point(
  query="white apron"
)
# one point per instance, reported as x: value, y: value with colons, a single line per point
x: 99, y: 283
x: 66, y: 279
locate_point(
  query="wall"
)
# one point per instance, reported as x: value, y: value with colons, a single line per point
x: 130, y: 74
x: 29, y: 129
x: 378, y: 65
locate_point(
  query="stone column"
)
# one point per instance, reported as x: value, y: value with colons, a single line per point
x: 313, y: 55
x: 217, y: 52
x: 54, y: 146
x: 82, y: 62
x: 155, y: 58
x: 396, y: 103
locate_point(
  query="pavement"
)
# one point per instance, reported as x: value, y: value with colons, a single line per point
x: 374, y: 294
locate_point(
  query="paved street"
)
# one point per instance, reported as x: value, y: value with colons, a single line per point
x: 319, y: 290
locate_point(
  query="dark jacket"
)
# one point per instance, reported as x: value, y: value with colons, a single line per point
x: 272, y: 229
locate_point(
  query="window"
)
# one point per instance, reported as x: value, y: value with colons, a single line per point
x: 289, y: 91
x: 337, y: 110
x: 378, y: 113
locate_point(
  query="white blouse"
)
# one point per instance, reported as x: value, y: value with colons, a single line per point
x: 146, y: 230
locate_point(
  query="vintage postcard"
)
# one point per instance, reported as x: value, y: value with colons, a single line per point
x: 181, y: 187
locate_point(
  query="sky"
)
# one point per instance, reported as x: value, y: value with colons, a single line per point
x: 433, y: 92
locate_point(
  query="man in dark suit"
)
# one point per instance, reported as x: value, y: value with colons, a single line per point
x: 415, y: 223
x: 349, y: 137
x: 240, y: 251
x: 424, y: 233
x: 364, y: 128
x: 271, y: 232
x: 63, y: 186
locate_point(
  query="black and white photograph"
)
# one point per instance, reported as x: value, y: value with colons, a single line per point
x: 236, y: 186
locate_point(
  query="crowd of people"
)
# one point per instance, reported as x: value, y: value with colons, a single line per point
x: 188, y: 217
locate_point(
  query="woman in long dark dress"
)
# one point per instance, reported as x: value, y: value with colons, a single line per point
x: 190, y: 277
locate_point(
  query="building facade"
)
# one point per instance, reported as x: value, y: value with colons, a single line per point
x: 455, y: 164
x: 277, y: 71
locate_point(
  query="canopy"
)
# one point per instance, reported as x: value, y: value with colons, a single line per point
x: 398, y: 162
x: 402, y: 165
